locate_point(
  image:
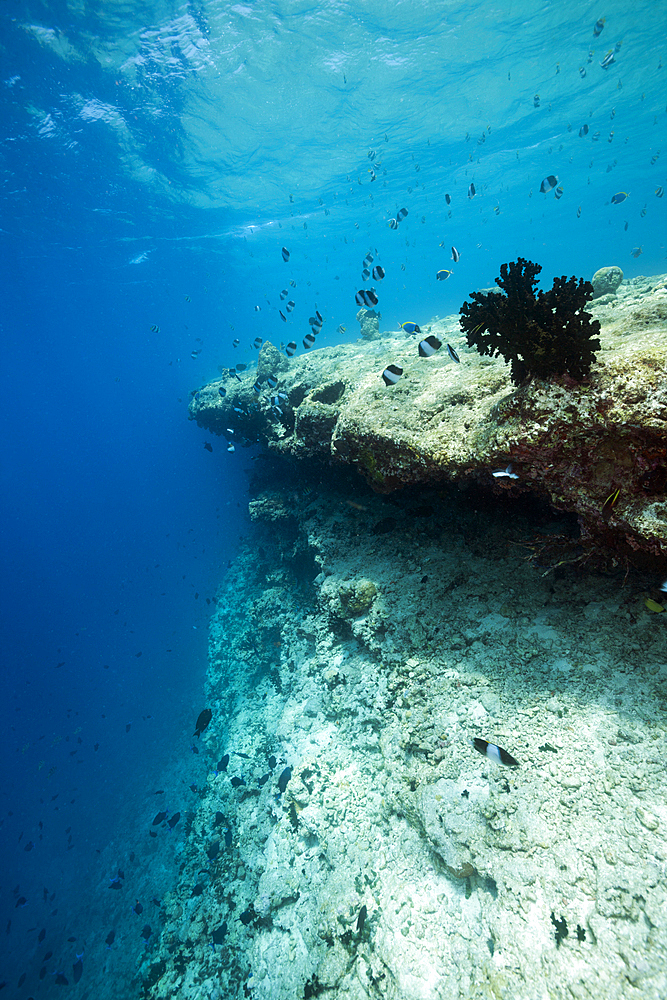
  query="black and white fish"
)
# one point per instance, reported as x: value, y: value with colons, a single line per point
x: 549, y: 183
x: 391, y: 374
x: 378, y: 273
x: 453, y: 355
x: 456, y: 256
x: 494, y: 752
x: 285, y: 253
x: 257, y: 343
x: 308, y: 341
x: 428, y: 346
x: 290, y: 350
x: 271, y: 381
x: 471, y: 191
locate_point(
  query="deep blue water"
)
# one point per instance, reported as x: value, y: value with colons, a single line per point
x: 155, y: 158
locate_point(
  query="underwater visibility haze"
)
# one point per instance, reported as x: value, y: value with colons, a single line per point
x: 183, y: 186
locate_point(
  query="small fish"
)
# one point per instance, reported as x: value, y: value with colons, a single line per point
x: 393, y: 224
x: 271, y: 381
x: 453, y: 355
x: 579, y: 212
x: 284, y: 778
x: 110, y: 938
x: 155, y: 328
x: 173, y: 821
x: 410, y: 327
x: 378, y: 273
x: 659, y: 191
x: 318, y: 316
x: 494, y: 752
x: 365, y: 274
x: 582, y: 72
x: 284, y: 294
x: 583, y: 131
x: 257, y: 386
x: 292, y: 283
x: 609, y: 504
x: 290, y: 305
x: 599, y: 25
x: 643, y: 212
x: 429, y: 346
x: 315, y: 322
x: 619, y: 197
x: 471, y: 191
x: 608, y: 59
x: 548, y: 183
x: 257, y: 343
x: 341, y: 328
x: 368, y: 259
x: 401, y: 214
x: 208, y: 446
x: 448, y: 199
x: 272, y: 760
x: 230, y: 447
x: 636, y: 251
x: 443, y: 274
x: 653, y: 605
x: 282, y: 316
x: 391, y: 374
x: 361, y: 919
x: 194, y: 355
x: 308, y: 341
x: 137, y: 908
x: 290, y: 350
x: 203, y: 720
x: 146, y: 932
x: 258, y: 309
x: 558, y: 193
x: 188, y: 299
x: 505, y: 473
x: 222, y: 763
x: 159, y: 818
x: 536, y: 101
x: 285, y: 253
x: 456, y: 256
x: 263, y: 780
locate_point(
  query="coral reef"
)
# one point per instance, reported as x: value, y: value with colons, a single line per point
x: 543, y: 334
x: 456, y: 863
x: 571, y: 444
x: 606, y: 281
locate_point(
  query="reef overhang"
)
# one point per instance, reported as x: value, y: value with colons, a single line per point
x: 596, y: 448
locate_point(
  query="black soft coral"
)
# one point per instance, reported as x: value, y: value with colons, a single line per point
x: 543, y: 334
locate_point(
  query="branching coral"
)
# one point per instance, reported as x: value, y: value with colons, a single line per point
x: 543, y: 334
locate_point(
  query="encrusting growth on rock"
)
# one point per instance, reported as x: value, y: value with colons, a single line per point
x: 543, y: 334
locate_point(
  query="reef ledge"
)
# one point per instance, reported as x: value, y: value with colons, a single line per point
x: 573, y: 444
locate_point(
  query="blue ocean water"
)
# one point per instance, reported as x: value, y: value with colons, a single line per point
x: 155, y: 158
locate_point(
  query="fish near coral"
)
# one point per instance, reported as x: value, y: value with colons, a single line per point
x: 541, y: 334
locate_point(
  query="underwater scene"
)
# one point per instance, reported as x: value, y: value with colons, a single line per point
x: 334, y: 468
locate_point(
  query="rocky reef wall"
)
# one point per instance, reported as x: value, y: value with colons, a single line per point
x: 356, y: 845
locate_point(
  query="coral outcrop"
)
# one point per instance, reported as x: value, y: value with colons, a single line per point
x: 572, y: 444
